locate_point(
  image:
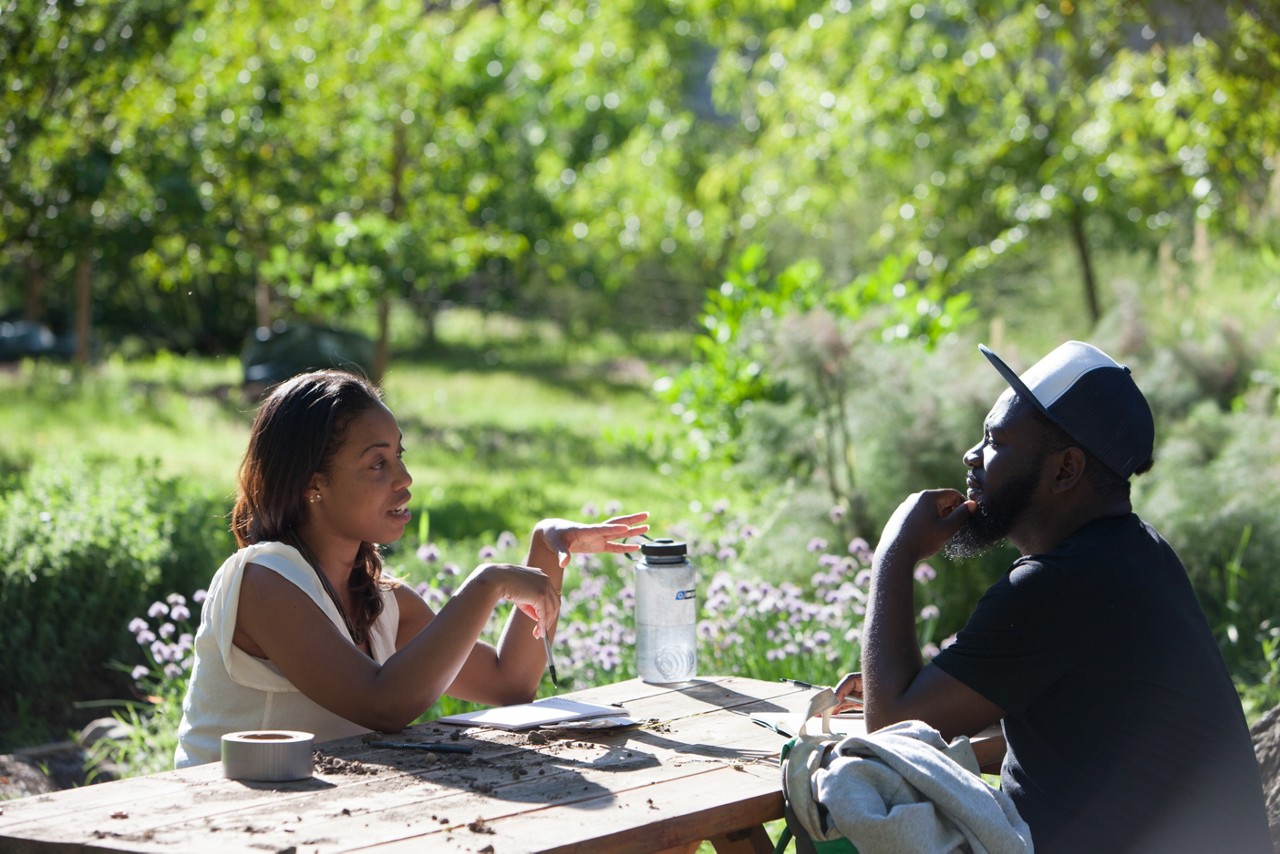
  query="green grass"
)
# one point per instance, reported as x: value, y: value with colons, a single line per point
x: 505, y: 423
x: 184, y: 413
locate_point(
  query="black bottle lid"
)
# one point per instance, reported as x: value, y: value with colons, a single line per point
x: 665, y: 549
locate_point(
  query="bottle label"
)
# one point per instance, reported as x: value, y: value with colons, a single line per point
x: 681, y: 595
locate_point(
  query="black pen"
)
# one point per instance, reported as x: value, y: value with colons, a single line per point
x: 551, y: 662
x: 433, y: 746
x: 797, y: 683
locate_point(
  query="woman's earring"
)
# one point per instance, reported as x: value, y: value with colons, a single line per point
x: 315, y: 497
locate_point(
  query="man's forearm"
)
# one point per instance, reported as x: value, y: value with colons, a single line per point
x: 890, y: 648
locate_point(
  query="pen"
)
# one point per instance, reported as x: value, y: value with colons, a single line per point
x: 551, y: 664
x: 797, y: 683
x: 433, y: 746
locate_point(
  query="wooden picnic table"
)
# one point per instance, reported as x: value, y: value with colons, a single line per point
x: 694, y: 768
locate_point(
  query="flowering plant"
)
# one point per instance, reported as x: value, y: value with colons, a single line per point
x: 168, y: 645
x: 806, y: 628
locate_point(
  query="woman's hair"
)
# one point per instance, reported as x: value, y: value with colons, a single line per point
x: 296, y: 433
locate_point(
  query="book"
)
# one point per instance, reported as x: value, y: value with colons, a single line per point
x: 549, y: 711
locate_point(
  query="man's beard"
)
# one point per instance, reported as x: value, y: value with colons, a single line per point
x: 995, y: 517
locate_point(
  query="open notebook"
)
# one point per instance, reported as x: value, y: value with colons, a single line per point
x: 549, y: 711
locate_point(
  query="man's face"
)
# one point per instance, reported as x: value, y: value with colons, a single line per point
x: 1004, y: 472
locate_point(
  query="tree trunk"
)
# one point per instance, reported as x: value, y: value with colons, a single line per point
x: 1081, y: 241
x: 33, y: 307
x: 429, y: 313
x: 384, y: 336
x: 262, y: 302
x: 84, y: 305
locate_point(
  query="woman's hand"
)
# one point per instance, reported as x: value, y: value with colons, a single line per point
x: 530, y: 589
x: 564, y: 538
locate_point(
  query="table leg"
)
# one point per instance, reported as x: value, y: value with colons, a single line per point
x: 749, y: 840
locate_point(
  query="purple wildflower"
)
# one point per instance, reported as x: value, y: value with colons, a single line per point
x: 860, y: 549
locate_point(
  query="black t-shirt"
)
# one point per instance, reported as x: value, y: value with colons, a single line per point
x: 1124, y: 730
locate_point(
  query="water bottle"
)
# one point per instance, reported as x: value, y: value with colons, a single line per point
x: 666, y: 613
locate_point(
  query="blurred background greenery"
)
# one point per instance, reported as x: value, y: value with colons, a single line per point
x: 669, y: 254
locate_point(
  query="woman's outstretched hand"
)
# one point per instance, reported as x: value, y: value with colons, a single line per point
x: 566, y: 538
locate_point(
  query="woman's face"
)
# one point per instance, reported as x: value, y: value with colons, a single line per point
x: 365, y: 495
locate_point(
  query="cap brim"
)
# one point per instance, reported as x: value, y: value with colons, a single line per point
x: 1011, y: 377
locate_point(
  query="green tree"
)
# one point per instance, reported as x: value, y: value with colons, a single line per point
x: 67, y: 66
x: 980, y: 128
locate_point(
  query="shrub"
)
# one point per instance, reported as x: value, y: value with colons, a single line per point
x: 87, y: 543
x: 746, y: 319
x: 1213, y: 495
x: 908, y: 414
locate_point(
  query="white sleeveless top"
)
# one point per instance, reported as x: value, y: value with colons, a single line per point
x: 230, y: 690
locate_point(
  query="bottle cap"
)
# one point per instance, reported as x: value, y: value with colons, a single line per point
x: 664, y: 547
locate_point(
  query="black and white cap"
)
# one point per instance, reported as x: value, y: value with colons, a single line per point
x: 1093, y: 398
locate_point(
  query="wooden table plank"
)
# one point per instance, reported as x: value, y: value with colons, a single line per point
x: 642, y: 819
x: 527, y: 789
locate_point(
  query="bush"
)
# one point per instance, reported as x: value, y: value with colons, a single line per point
x: 1213, y: 495
x: 909, y: 413
x: 87, y: 544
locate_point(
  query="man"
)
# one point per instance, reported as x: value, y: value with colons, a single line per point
x: 1124, y: 730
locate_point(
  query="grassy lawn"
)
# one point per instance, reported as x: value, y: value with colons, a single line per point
x: 504, y: 424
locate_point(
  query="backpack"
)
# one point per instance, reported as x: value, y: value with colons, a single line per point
x: 901, y: 788
x: 801, y: 756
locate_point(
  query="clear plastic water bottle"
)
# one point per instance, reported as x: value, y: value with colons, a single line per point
x: 666, y: 613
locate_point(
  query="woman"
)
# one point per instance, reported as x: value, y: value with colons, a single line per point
x: 300, y: 630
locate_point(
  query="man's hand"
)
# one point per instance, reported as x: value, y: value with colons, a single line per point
x: 922, y: 524
x: 849, y: 694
